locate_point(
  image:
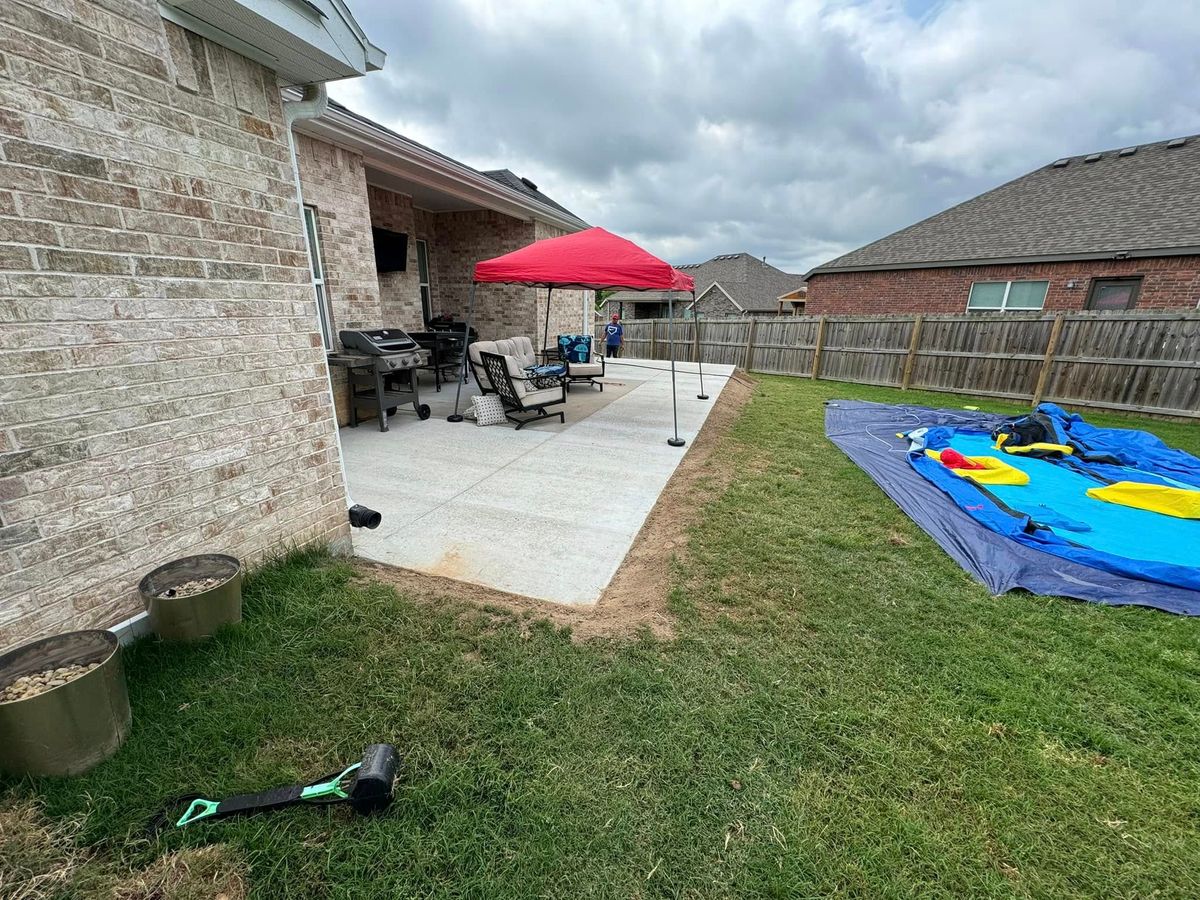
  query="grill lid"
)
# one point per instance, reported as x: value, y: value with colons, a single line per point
x: 378, y: 342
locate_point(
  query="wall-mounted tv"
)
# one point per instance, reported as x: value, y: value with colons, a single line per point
x: 391, y: 250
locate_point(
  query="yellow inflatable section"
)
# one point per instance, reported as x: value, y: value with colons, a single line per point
x: 1002, y: 444
x: 1170, y: 501
x: 994, y: 471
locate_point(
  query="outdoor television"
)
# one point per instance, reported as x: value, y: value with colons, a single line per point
x: 391, y: 250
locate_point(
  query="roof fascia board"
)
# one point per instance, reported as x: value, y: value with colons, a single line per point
x: 432, y: 170
x: 1147, y: 253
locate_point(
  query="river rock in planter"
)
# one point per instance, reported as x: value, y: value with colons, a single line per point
x: 191, y: 598
x: 73, y: 708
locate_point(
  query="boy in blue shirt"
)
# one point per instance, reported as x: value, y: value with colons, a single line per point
x: 614, y: 335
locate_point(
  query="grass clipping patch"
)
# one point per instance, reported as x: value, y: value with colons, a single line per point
x: 40, y: 860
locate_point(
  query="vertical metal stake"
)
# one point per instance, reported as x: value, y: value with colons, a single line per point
x: 462, y: 376
x: 676, y: 441
x: 698, y: 344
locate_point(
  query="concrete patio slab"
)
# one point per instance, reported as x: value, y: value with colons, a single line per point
x: 549, y: 511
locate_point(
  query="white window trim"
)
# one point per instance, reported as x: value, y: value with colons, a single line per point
x: 321, y: 292
x: 1003, y: 307
x: 428, y: 282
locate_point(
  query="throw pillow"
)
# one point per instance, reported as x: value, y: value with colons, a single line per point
x: 489, y: 410
x: 576, y: 348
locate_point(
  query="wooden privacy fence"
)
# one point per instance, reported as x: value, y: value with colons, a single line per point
x: 1136, y: 362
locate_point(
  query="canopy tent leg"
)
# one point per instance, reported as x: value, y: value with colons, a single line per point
x: 456, y: 416
x: 546, y: 324
x: 698, y: 345
x: 676, y: 441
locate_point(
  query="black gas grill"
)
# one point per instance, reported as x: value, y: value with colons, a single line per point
x: 381, y: 369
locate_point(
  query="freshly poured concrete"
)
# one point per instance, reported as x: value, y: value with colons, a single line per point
x: 548, y: 511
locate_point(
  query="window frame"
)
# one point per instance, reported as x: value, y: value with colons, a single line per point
x: 1093, y: 289
x: 312, y: 239
x: 425, y: 287
x: 1004, y: 307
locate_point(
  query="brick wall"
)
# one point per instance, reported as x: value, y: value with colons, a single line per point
x: 163, y: 382
x: 1167, y: 282
x: 333, y: 181
x: 400, y: 291
x: 465, y: 238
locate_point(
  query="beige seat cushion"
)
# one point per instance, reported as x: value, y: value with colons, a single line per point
x: 585, y: 370
x: 546, y: 395
x: 505, y: 347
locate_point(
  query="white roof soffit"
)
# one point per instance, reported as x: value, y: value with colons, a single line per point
x: 408, y: 160
x: 303, y: 41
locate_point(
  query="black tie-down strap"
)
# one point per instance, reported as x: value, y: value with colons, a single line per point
x: 366, y: 786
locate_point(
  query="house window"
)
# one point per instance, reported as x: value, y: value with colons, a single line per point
x: 1002, y: 296
x: 423, y: 276
x: 318, y: 276
x: 1114, y: 293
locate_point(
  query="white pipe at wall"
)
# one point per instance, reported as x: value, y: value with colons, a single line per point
x: 312, y: 105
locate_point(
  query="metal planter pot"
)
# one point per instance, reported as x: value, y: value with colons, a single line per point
x: 70, y: 728
x: 193, y: 616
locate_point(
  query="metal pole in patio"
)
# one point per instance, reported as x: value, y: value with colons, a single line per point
x: 698, y: 345
x: 676, y: 441
x: 546, y: 325
x: 456, y: 416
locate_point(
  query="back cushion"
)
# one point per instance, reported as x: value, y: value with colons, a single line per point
x: 575, y: 348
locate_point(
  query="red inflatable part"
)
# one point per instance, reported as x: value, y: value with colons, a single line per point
x: 952, y: 459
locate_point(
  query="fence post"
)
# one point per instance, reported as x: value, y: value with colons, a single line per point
x: 654, y: 339
x: 911, y: 359
x: 1051, y: 347
x: 816, y: 368
x: 748, y: 356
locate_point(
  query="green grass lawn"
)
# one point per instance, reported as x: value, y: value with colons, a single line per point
x: 843, y: 712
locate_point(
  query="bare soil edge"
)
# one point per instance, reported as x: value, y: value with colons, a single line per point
x: 636, y: 598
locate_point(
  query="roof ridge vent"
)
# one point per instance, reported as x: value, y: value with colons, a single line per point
x: 1128, y: 151
x: 1092, y: 157
x: 1177, y: 142
x: 529, y: 184
x: 1060, y: 163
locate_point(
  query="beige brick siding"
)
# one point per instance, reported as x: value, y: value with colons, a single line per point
x: 399, y: 292
x: 163, y: 384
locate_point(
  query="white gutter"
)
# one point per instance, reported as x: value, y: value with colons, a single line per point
x: 406, y: 159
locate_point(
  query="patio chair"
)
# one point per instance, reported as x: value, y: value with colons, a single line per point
x: 474, y: 355
x: 575, y: 351
x: 506, y: 375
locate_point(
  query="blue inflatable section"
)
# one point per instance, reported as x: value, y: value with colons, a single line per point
x: 1048, y: 537
x: 1119, y: 539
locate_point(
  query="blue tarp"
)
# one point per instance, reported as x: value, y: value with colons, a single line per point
x: 1157, y: 566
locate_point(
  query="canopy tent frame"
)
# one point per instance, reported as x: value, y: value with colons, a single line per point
x: 645, y: 273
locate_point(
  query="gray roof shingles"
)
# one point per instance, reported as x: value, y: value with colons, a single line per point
x: 1136, y: 203
x: 754, y: 284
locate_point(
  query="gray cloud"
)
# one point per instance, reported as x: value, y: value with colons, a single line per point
x: 791, y: 130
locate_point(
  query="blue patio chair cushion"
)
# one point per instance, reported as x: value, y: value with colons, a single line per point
x: 576, y: 348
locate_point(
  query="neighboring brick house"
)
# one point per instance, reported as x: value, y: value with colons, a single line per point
x: 164, y: 384
x: 732, y: 285
x: 1113, y: 230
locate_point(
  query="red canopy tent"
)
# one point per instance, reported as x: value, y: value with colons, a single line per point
x: 593, y: 259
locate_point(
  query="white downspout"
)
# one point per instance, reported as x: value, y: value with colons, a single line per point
x: 312, y: 105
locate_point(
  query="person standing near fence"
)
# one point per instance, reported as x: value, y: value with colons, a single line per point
x: 614, y: 337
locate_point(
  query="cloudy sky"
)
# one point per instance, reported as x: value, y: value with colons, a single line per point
x: 794, y: 131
